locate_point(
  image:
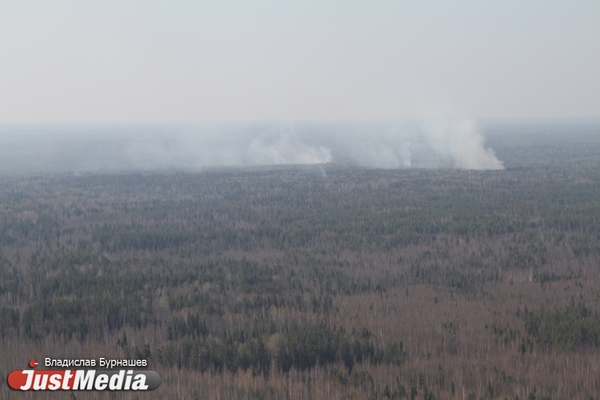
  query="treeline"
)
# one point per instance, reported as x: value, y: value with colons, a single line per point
x: 76, y: 319
x: 574, y: 327
x: 299, y: 348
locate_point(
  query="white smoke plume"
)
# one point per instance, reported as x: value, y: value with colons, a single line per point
x: 431, y: 144
x: 437, y: 144
x: 461, y: 141
x: 286, y: 148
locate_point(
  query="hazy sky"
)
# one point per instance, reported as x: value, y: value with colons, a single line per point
x: 190, y: 61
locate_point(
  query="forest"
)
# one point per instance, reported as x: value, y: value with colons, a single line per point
x: 286, y: 283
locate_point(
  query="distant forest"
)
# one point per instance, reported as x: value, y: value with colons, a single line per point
x: 289, y: 283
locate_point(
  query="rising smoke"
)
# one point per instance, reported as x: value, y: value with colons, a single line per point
x: 462, y: 143
x: 435, y: 144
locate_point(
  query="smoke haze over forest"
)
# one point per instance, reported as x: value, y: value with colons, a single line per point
x: 447, y: 144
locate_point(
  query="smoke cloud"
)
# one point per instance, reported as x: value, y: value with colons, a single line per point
x: 460, y: 141
x: 434, y: 144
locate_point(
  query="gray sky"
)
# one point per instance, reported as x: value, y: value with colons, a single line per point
x: 122, y: 61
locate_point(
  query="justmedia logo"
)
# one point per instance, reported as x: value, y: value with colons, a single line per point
x: 82, y: 379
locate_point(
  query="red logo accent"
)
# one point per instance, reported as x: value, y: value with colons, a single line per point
x: 33, y: 363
